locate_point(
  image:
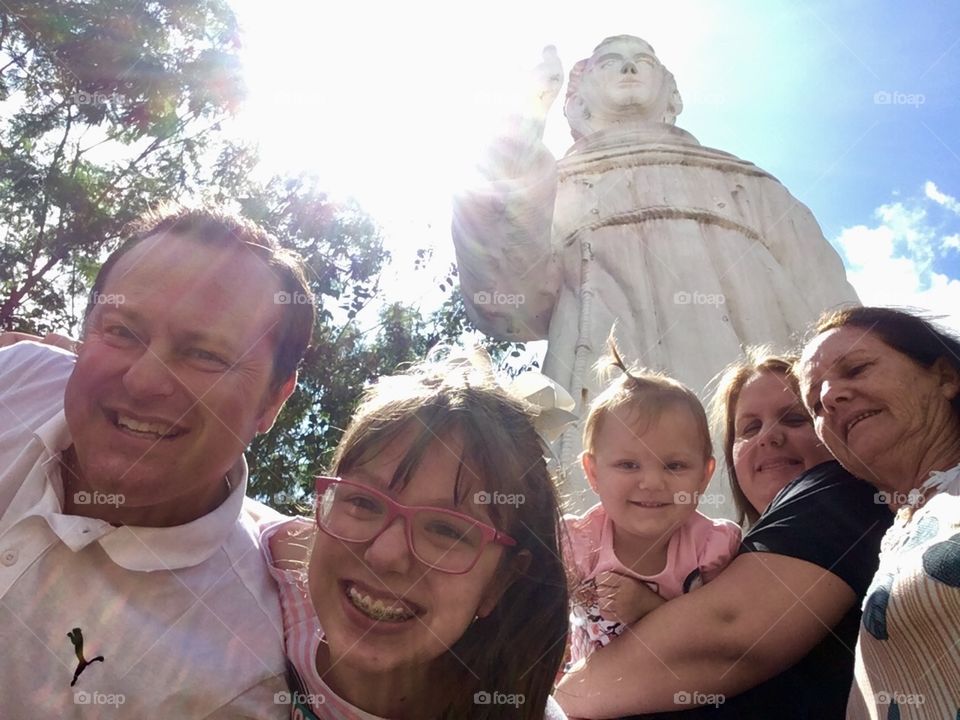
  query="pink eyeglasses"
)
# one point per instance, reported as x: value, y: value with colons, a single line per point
x: 445, y: 540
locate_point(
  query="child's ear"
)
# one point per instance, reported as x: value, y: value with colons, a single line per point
x: 708, y: 469
x: 501, y: 582
x: 589, y: 462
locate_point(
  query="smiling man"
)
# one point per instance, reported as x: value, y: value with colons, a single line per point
x: 122, y: 481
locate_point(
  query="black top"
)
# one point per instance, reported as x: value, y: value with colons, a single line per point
x: 831, y: 519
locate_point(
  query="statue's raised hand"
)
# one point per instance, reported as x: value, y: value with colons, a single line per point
x: 548, y: 79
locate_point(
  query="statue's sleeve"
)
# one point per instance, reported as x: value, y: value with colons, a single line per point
x: 795, y: 239
x: 509, y: 272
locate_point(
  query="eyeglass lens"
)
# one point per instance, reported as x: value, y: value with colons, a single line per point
x: 440, y: 539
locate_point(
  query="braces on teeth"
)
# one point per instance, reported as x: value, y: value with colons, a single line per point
x: 376, y: 609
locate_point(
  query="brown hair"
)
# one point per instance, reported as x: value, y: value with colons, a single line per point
x: 643, y: 392
x: 919, y: 338
x: 518, y: 648
x: 219, y: 227
x: 723, y: 409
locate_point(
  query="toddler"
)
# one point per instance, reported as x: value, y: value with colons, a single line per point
x: 648, y: 455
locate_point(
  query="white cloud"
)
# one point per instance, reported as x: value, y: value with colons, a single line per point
x: 951, y: 242
x: 948, y: 201
x: 891, y: 264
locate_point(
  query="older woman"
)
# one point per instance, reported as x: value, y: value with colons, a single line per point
x: 884, y: 389
x: 776, y: 628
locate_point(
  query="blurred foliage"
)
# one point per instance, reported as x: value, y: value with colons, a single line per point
x: 108, y: 107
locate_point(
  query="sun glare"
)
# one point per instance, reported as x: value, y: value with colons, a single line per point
x: 394, y: 103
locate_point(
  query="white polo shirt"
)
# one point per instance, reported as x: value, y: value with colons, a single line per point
x: 186, y: 618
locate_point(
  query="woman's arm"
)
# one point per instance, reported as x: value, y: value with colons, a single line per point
x: 756, y: 619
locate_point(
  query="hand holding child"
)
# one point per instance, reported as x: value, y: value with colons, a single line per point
x: 623, y: 598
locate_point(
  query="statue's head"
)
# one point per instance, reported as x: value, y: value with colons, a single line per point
x: 623, y: 81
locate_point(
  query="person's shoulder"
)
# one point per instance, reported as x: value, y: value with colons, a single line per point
x: 33, y: 359
x: 594, y: 515
x: 699, y: 522
x: 715, y: 540
x: 33, y: 378
x: 553, y: 711
x: 585, y: 530
x: 286, y: 544
x: 262, y: 515
x: 824, y: 482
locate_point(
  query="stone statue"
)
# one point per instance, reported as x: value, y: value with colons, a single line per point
x: 689, y: 251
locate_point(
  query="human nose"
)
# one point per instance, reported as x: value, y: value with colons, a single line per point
x: 629, y: 68
x: 389, y: 551
x: 773, y: 436
x: 649, y: 479
x: 832, y: 393
x: 149, y: 376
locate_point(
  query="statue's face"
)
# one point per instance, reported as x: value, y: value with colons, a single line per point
x: 623, y: 77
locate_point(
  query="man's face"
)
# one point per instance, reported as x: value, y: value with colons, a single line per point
x: 623, y: 75
x: 173, y: 378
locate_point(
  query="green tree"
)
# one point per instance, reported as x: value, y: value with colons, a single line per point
x: 110, y: 106
x: 106, y: 107
x: 346, y: 358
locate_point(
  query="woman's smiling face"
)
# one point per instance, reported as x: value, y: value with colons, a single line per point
x: 774, y: 440
x: 875, y: 408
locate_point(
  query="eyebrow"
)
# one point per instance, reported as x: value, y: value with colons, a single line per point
x: 219, y: 341
x: 375, y: 480
x: 781, y: 410
x: 610, y: 56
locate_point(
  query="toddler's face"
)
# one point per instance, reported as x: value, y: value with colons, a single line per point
x: 648, y: 474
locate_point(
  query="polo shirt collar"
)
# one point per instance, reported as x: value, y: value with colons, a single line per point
x: 148, y: 548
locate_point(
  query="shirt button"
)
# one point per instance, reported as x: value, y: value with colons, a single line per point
x: 9, y: 557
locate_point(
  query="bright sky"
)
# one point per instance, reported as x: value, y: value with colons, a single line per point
x: 853, y: 105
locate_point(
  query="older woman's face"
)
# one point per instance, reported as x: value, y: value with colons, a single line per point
x: 774, y: 441
x: 877, y: 410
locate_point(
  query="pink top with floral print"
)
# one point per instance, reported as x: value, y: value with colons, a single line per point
x: 697, y: 551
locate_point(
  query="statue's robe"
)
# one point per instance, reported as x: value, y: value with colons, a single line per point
x: 692, y: 252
